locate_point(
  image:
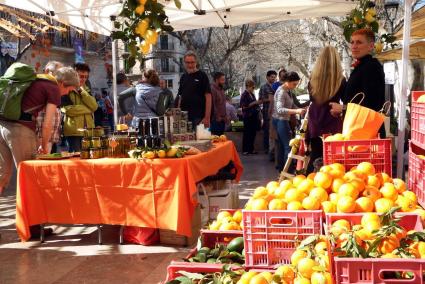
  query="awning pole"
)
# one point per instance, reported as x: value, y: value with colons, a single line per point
x: 403, y: 87
x: 114, y: 80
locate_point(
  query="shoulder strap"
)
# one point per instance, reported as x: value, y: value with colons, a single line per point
x: 154, y: 111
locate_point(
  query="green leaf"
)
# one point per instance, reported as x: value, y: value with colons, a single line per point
x: 117, y: 24
x: 131, y: 61
x: 192, y: 276
x: 178, y: 4
x: 374, y: 26
x: 118, y: 35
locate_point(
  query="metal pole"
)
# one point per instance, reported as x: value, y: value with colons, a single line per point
x: 114, y: 80
x: 403, y: 87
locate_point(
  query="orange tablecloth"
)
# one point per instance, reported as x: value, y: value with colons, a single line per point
x: 158, y: 193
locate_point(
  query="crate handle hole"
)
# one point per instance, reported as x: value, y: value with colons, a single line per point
x: 281, y: 221
x: 399, y: 276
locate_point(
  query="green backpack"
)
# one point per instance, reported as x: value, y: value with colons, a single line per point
x: 13, y: 84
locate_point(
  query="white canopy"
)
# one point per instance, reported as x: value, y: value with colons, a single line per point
x: 94, y: 15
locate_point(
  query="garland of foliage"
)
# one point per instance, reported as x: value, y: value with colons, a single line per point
x: 364, y: 16
x: 138, y: 26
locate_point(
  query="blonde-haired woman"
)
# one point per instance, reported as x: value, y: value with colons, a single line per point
x: 327, y: 85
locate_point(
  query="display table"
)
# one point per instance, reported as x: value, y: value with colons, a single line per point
x: 158, y: 193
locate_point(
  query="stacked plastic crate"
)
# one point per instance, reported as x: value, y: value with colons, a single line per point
x: 417, y: 147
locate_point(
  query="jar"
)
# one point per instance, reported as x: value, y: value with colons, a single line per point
x: 85, y: 154
x: 96, y: 143
x: 95, y: 153
x: 85, y: 143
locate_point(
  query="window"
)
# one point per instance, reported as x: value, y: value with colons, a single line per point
x: 165, y: 65
x: 163, y: 42
x: 170, y: 84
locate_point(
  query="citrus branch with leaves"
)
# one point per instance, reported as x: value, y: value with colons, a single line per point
x: 364, y: 16
x: 138, y: 26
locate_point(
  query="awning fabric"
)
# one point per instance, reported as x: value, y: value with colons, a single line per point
x: 94, y: 15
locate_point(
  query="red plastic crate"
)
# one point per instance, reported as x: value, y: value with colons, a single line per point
x: 417, y: 172
x: 365, y: 271
x: 270, y: 237
x: 418, y: 119
x: 350, y: 153
x: 175, y: 267
x: 409, y: 221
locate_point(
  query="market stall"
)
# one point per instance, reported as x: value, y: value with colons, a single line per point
x: 158, y: 193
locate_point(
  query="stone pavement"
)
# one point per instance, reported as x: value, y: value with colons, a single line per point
x: 73, y: 256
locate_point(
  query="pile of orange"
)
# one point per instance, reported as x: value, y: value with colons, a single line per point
x: 372, y: 232
x: 309, y: 265
x: 226, y: 221
x: 332, y: 189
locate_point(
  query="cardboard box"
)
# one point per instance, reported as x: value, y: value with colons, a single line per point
x: 169, y: 237
x: 214, y: 200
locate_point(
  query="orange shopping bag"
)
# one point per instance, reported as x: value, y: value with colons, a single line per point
x: 360, y: 122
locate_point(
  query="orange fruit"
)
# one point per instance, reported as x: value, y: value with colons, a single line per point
x: 370, y: 218
x: 389, y: 191
x: 348, y: 189
x: 272, y: 186
x: 349, y: 176
x: 383, y: 177
x: 319, y: 193
x: 311, y: 203
x: 366, y: 168
x: 247, y: 276
x: 360, y: 175
x: 411, y: 195
x: 298, y: 179
x: 334, y: 173
x: 258, y: 279
x: 294, y: 206
x: 383, y: 205
x: 301, y: 280
x: 267, y: 275
x: 323, y: 180
x: 338, y: 167
x: 277, y: 204
x: 297, y: 256
x: 390, y: 255
x: 400, y: 185
x: 364, y: 204
x: 292, y: 195
x: 237, y: 216
x: 372, y: 226
x: 325, y: 169
x: 388, y: 244
x: 319, y: 277
x: 363, y: 234
x: 311, y: 176
x: 286, y: 184
x: 372, y: 192
x: 342, y: 223
x: 321, y: 248
x: 333, y: 197
x: 305, y: 186
x: 421, y: 249
x: 280, y: 193
x: 373, y: 181
x: 346, y: 204
x: 223, y: 215
x: 406, y: 204
x: 286, y: 273
x: 358, y: 184
x: 260, y: 192
x: 259, y: 204
x: 305, y: 267
x: 328, y: 207
x: 336, y: 184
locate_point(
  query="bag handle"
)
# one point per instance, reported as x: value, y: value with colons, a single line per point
x: 356, y: 95
x: 386, y: 108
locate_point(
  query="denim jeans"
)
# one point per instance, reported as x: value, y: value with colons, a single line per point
x: 266, y: 135
x: 284, y: 135
x: 17, y: 143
